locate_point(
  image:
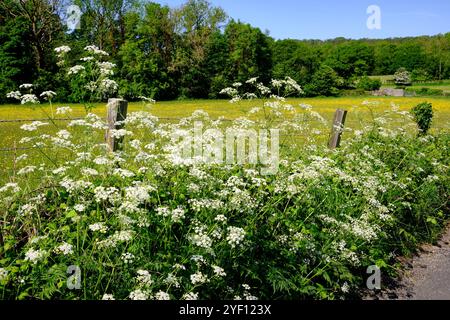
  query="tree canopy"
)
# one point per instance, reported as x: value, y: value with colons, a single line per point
x: 193, y: 51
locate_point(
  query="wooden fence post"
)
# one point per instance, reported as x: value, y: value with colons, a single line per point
x: 338, y: 126
x: 117, y: 112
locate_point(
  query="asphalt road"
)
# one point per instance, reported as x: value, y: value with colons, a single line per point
x: 429, y: 278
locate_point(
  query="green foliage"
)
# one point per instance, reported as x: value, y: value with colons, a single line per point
x: 368, y: 84
x: 423, y: 115
x: 249, y: 53
x: 16, y: 59
x: 193, y: 50
x: 352, y: 59
x: 426, y: 91
x: 325, y: 82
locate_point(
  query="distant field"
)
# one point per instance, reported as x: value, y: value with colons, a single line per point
x: 442, y: 85
x: 10, y: 132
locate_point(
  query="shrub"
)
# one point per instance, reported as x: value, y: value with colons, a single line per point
x: 429, y: 92
x: 423, y: 115
x: 325, y: 82
x: 420, y: 75
x: 368, y: 84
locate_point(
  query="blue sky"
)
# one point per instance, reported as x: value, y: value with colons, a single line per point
x: 324, y: 19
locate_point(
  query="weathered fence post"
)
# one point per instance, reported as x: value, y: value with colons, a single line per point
x: 338, y: 126
x: 117, y: 112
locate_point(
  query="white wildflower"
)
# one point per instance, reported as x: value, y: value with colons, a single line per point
x: 48, y: 95
x: 14, y: 95
x: 127, y: 258
x: 138, y: 295
x: 218, y: 271
x: 64, y: 249
x: 14, y: 187
x: 191, y: 296
x: 235, y: 236
x: 29, y: 98
x: 33, y: 126
x: 26, y: 86
x: 144, y: 278
x: 198, y: 278
x: 161, y: 295
x: 99, y: 226
x: 76, y: 69
x: 34, y: 256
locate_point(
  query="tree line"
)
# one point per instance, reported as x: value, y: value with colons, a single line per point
x: 193, y: 51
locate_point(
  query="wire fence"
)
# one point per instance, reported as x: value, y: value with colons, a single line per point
x: 168, y: 119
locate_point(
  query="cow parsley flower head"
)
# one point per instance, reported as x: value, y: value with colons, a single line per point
x: 218, y: 271
x: 14, y: 95
x: 138, y: 295
x: 29, y: 98
x: 63, y: 110
x: 64, y: 249
x: 63, y: 49
x: 191, y: 296
x: 14, y: 187
x: 161, y: 295
x: 98, y: 227
x: 235, y: 236
x: 95, y: 50
x: 76, y: 69
x: 198, y: 278
x: 34, y: 256
x: 26, y: 86
x: 108, y: 297
x: 127, y: 258
x: 33, y: 126
x: 48, y: 95
x: 144, y: 278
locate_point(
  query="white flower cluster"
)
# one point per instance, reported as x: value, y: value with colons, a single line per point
x: 117, y: 237
x: 127, y: 258
x: 108, y: 86
x: 63, y: 110
x: 139, y: 295
x: 48, y: 95
x: 98, y: 227
x: 199, y: 278
x: 76, y: 70
x: 218, y: 271
x: 29, y: 98
x: 35, y: 256
x: 33, y: 126
x: 14, y: 95
x: 64, y: 249
x: 144, y: 279
x: 95, y: 50
x: 177, y: 215
x: 235, y: 236
x: 106, y: 68
x: 14, y: 187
